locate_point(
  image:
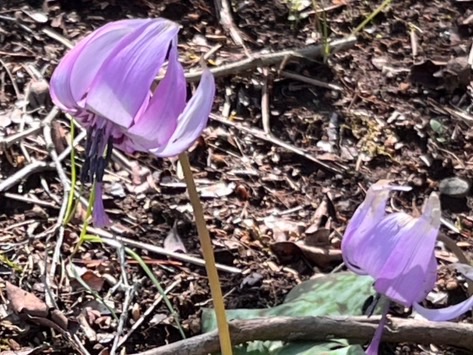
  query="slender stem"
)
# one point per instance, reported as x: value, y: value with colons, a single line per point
x: 371, y: 16
x: 161, y: 291
x: 70, y: 201
x: 88, y: 214
x: 207, y: 250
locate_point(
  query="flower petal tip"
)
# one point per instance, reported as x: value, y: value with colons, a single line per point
x: 99, y: 216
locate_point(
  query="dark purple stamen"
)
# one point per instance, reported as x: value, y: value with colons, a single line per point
x: 98, y: 144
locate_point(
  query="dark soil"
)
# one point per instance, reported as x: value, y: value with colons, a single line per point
x: 401, y: 112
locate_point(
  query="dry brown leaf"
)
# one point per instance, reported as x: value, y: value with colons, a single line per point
x: 22, y: 301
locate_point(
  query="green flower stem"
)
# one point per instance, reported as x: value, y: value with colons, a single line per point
x: 380, y: 8
x: 70, y: 200
x: 207, y: 250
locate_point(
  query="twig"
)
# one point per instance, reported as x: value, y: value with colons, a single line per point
x: 66, y: 186
x: 13, y: 138
x: 56, y: 36
x: 12, y: 79
x: 148, y: 311
x: 123, y: 318
x: 224, y: 13
x: 262, y: 59
x: 310, y: 81
x: 323, y: 328
x: 261, y: 135
x: 158, y: 250
x: 23, y: 173
x: 265, y: 112
x: 76, y: 141
x: 32, y: 200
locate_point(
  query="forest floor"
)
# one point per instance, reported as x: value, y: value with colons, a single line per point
x: 290, y: 150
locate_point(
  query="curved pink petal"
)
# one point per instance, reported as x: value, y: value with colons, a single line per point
x: 362, y: 224
x: 193, y: 120
x: 407, y: 274
x: 446, y: 313
x: 122, y: 86
x: 156, y: 125
x: 74, y: 74
x: 376, y: 246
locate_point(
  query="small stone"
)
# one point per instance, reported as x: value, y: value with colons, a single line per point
x: 454, y: 187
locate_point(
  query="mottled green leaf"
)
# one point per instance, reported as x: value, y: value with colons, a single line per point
x: 331, y: 295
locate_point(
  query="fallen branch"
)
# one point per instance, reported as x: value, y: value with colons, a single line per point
x: 263, y: 59
x: 358, y: 329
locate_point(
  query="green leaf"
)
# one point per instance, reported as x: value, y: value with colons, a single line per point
x: 331, y: 295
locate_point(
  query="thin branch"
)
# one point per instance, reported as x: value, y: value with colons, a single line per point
x: 358, y: 329
x: 150, y: 310
x: 310, y: 81
x: 265, y: 111
x: 224, y: 13
x: 24, y: 172
x: 158, y: 250
x: 262, y: 59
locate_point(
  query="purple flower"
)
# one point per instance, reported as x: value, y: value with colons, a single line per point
x: 398, y: 251
x: 105, y: 82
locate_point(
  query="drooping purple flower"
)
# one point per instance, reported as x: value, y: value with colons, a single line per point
x: 398, y: 251
x: 105, y: 83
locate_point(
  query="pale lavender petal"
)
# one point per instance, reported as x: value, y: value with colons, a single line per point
x: 193, y: 120
x: 444, y: 314
x: 156, y: 125
x: 99, y: 215
x: 374, y: 345
x: 406, y: 276
x: 361, y: 225
x: 429, y: 278
x: 74, y: 74
x: 122, y: 86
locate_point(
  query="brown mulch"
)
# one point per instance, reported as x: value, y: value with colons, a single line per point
x: 402, y: 112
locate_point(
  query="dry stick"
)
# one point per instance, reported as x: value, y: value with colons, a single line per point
x: 224, y: 13
x: 66, y: 186
x: 265, y: 112
x: 310, y: 81
x: 262, y: 59
x: 13, y: 138
x: 123, y: 318
x: 207, y: 250
x: 34, y: 166
x: 261, y: 135
x: 23, y: 173
x: 158, y: 250
x: 32, y: 200
x: 138, y: 323
x: 358, y: 329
